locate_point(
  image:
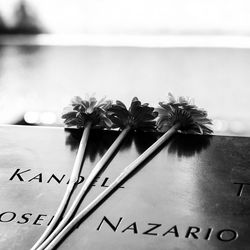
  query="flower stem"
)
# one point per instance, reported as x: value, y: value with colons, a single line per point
x: 86, y: 186
x: 129, y: 169
x: 72, y: 182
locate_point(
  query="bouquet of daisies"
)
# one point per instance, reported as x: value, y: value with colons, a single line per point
x: 172, y: 116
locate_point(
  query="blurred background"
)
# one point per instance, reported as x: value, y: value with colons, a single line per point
x: 52, y: 50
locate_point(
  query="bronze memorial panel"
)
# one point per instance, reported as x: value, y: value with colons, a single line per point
x: 194, y: 193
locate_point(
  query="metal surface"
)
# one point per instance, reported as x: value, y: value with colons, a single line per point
x: 194, y: 193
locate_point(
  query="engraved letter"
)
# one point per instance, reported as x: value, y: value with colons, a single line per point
x: 132, y: 227
x: 80, y: 179
x: 192, y: 231
x: 104, y: 182
x: 241, y: 187
x: 37, y: 177
x: 149, y: 231
x: 24, y: 216
x: 231, y: 235
x: 209, y: 232
x: 50, y: 220
x: 95, y: 180
x: 8, y: 220
x: 172, y: 230
x: 18, y: 175
x: 39, y: 217
x: 113, y: 227
x: 55, y: 178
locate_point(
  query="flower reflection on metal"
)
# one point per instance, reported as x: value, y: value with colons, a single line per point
x: 137, y: 117
x: 181, y: 110
x: 80, y: 112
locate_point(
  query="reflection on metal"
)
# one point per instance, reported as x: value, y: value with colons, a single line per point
x: 219, y: 126
x: 231, y: 127
x: 40, y: 118
x: 123, y: 72
x: 237, y: 127
x: 146, y: 41
x: 48, y: 118
x: 31, y: 117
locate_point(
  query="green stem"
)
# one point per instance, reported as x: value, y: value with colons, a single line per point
x: 129, y: 169
x: 85, y: 187
x: 72, y: 182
